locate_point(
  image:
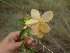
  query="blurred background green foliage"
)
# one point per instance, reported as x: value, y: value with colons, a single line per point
x: 57, y: 40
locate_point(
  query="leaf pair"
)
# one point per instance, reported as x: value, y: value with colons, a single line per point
x: 24, y: 19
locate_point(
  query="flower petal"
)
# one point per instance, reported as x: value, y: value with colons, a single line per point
x: 35, y: 29
x: 31, y: 22
x: 45, y: 28
x: 35, y: 14
x: 47, y: 16
x: 40, y: 35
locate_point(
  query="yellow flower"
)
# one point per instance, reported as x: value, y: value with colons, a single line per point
x: 38, y: 23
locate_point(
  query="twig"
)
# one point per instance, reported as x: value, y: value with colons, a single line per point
x: 44, y: 46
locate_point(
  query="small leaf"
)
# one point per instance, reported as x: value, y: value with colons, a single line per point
x: 22, y: 33
x: 30, y: 50
x: 28, y: 34
x: 24, y: 50
x: 31, y: 18
x: 23, y: 20
x: 20, y: 52
x: 23, y: 43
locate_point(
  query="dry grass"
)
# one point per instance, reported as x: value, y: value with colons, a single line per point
x: 57, y: 40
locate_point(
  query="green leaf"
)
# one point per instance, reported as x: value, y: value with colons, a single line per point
x: 20, y: 52
x: 23, y: 20
x: 31, y: 18
x: 23, y: 43
x: 30, y: 50
x: 25, y: 51
x: 28, y: 34
x: 22, y: 33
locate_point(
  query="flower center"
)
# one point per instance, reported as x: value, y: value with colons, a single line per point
x: 40, y: 30
x: 41, y: 22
